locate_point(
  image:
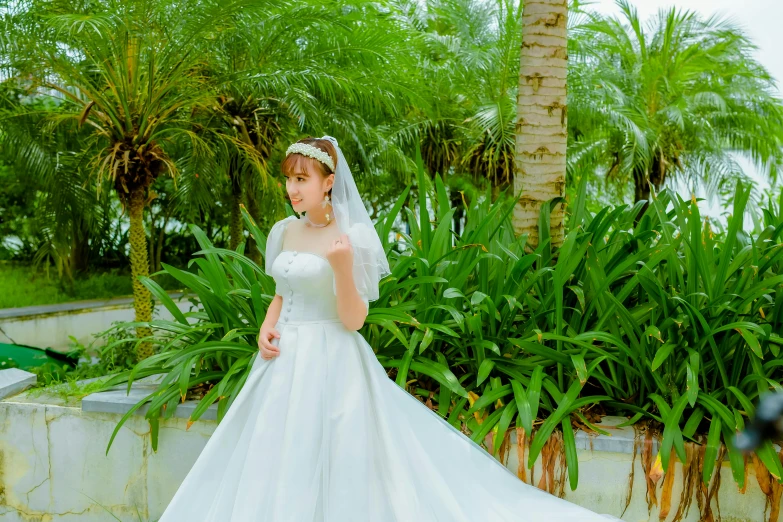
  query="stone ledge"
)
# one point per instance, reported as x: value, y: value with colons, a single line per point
x: 73, y: 306
x: 14, y: 380
x: 620, y: 440
x: 117, y: 400
x: 56, y: 468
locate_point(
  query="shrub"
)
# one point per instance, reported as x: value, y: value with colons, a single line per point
x: 659, y: 318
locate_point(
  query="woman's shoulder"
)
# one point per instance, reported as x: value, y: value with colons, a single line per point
x: 283, y: 223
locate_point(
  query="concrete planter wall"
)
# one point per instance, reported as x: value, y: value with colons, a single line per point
x: 53, y: 466
x: 51, y: 325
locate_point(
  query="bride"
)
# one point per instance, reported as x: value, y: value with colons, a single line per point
x: 319, y: 433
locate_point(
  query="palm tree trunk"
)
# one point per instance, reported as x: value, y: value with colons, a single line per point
x: 161, y: 237
x: 80, y: 246
x: 252, y: 208
x: 151, y: 244
x: 235, y: 224
x: 459, y: 212
x: 235, y: 219
x: 142, y: 298
x: 641, y: 185
x: 540, y: 158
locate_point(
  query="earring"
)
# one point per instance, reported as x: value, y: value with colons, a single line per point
x: 323, y: 205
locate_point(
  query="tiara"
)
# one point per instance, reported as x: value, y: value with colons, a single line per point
x: 313, y: 152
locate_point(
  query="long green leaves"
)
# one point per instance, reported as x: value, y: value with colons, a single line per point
x: 664, y: 315
x: 631, y: 316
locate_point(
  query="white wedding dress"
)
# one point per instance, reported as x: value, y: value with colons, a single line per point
x: 321, y: 434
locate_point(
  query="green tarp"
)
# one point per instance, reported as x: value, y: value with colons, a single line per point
x: 29, y: 357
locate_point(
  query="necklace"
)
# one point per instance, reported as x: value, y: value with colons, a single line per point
x: 307, y: 220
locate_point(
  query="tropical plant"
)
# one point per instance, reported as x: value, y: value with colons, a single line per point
x: 302, y: 67
x: 61, y: 213
x: 631, y: 319
x: 471, y: 58
x: 131, y: 73
x: 642, y: 318
x: 677, y: 97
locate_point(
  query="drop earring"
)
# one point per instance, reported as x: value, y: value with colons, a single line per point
x: 323, y: 205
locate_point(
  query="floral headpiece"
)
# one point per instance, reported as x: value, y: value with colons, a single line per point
x: 312, y: 152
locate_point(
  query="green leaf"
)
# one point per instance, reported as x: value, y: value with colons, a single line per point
x: 534, y: 392
x: 580, y: 295
x: 426, y: 340
x: 771, y: 460
x: 509, y: 411
x: 489, y: 398
x: 402, y: 372
x: 711, y: 451
x: 663, y: 353
x: 450, y: 293
x: 484, y: 370
x: 564, y: 408
x: 572, y: 459
x: 692, y: 378
x: 580, y: 366
x: 736, y: 459
x: 672, y: 433
x: 523, y: 405
x: 164, y: 298
x: 753, y: 343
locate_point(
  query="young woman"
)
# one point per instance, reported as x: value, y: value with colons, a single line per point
x: 319, y: 433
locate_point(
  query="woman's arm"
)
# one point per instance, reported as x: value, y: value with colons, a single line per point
x: 351, y: 308
x: 273, y: 312
x: 267, y: 330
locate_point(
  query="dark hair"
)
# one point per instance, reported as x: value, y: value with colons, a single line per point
x: 294, y: 163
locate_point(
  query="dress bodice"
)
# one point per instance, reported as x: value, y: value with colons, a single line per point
x: 306, y: 282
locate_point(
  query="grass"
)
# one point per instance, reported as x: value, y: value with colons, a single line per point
x: 70, y: 391
x: 21, y: 285
x: 71, y: 385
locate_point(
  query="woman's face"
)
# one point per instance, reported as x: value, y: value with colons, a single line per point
x: 306, y: 189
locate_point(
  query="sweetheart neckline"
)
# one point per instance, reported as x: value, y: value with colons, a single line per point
x: 319, y: 256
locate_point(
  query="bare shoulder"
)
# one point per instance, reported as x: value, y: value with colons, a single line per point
x: 283, y: 224
x: 291, y: 221
x: 290, y: 227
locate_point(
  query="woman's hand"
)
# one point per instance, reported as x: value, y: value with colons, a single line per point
x: 267, y: 349
x: 340, y: 253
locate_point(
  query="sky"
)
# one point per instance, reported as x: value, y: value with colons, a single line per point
x: 760, y: 20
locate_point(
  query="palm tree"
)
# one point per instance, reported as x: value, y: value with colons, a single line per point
x: 674, y: 98
x: 315, y: 67
x: 65, y: 213
x: 471, y: 59
x: 541, y: 139
x: 131, y: 74
x: 469, y: 65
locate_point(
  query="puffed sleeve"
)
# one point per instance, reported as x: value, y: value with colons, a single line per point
x: 366, y: 269
x: 274, y: 242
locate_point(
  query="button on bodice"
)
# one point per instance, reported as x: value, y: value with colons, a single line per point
x: 306, y: 282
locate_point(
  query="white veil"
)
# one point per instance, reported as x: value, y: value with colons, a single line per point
x: 369, y: 258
